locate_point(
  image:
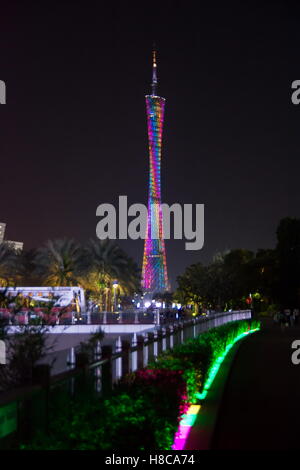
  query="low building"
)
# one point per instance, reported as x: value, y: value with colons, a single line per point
x: 17, y: 246
x: 2, y: 231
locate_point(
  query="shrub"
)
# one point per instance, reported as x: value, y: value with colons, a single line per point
x: 145, y: 408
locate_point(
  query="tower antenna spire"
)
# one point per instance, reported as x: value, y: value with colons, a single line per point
x: 154, y: 71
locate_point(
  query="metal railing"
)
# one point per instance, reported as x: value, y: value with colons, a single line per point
x: 111, y: 362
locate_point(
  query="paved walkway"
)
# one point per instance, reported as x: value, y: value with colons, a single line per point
x: 261, y: 404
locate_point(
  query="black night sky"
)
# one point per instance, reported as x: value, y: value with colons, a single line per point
x: 73, y: 132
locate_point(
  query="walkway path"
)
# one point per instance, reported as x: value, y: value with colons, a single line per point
x: 261, y: 404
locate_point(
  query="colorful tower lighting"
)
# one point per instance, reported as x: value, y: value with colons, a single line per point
x: 155, y: 276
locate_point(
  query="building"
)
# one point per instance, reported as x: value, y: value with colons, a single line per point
x: 60, y: 296
x: 154, y: 272
x: 2, y: 231
x: 17, y: 246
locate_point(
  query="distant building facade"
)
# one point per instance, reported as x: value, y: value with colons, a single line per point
x: 2, y: 231
x: 17, y: 246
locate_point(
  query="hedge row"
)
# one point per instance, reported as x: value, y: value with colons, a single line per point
x: 145, y: 408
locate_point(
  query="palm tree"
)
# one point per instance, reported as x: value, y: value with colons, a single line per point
x: 8, y: 265
x: 59, y: 262
x: 105, y: 264
x: 26, y: 271
x: 109, y: 264
x: 130, y: 277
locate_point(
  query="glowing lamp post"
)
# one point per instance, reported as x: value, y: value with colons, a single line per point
x: 115, y: 287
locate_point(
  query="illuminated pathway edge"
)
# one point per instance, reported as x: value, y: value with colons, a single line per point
x: 188, y: 419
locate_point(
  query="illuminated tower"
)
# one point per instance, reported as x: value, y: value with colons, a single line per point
x: 155, y: 276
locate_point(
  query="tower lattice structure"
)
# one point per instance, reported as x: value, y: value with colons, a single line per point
x: 154, y: 273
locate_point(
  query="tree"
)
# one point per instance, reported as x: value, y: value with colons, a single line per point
x: 222, y: 284
x: 237, y: 273
x: 166, y: 297
x: 264, y: 278
x: 130, y: 276
x: 288, y: 253
x: 191, y: 286
x: 25, y: 348
x: 109, y: 265
x: 59, y: 263
x: 8, y: 265
x: 27, y: 274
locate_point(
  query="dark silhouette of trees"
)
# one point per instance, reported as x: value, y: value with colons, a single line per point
x: 288, y: 256
x: 241, y: 278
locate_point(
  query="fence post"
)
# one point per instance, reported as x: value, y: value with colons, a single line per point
x: 140, y: 351
x: 181, y: 333
x: 98, y: 379
x: 145, y: 350
x: 171, y: 338
x: 133, y: 353
x: 97, y: 351
x: 164, y: 339
x: 117, y: 362
x: 176, y: 334
x: 71, y: 358
x: 157, y: 317
x: 155, y: 343
x: 125, y: 357
x: 107, y: 370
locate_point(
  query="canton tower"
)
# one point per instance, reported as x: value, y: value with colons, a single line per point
x: 154, y: 274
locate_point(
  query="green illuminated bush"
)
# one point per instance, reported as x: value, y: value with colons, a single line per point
x: 196, y: 356
x: 118, y: 423
x: 144, y: 409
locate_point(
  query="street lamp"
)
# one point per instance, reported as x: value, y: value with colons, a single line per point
x: 115, y: 286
